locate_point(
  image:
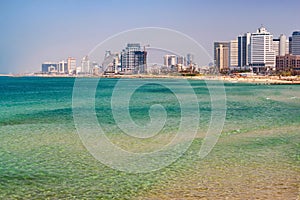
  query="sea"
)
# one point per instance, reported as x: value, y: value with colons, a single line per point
x: 44, y: 156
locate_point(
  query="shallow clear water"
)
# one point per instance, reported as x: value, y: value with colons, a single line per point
x: 42, y: 156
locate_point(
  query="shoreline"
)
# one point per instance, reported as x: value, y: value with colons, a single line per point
x: 272, y: 80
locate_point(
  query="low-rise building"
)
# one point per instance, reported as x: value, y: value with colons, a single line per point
x: 288, y: 63
x: 49, y: 67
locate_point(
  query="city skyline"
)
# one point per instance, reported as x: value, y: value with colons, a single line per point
x: 37, y: 31
x: 259, y: 52
x: 132, y: 59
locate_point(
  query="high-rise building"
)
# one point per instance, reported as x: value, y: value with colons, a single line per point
x: 281, y: 45
x: 296, y: 43
x: 181, y: 60
x: 133, y: 59
x: 244, y: 49
x: 62, y: 67
x: 140, y: 61
x: 276, y: 42
x: 290, y: 45
x: 170, y: 60
x: 85, y: 65
x: 233, y: 53
x: 71, y: 65
x: 262, y: 55
x: 216, y: 45
x: 287, y: 46
x: 181, y: 63
x: 189, y: 59
x: 221, y: 55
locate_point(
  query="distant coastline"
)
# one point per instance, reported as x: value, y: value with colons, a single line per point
x: 256, y: 79
x: 6, y: 75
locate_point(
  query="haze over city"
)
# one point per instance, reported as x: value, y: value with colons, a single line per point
x: 36, y: 31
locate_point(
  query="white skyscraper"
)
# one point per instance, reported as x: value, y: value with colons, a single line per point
x: 262, y: 54
x: 287, y: 46
x: 169, y: 60
x: 233, y: 53
x: 62, y: 67
x: 282, y: 45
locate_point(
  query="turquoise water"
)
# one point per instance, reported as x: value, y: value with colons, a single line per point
x: 41, y: 155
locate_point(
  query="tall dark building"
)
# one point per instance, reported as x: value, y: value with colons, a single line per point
x: 296, y: 43
x: 290, y: 45
x: 189, y: 59
x: 244, y: 50
x: 140, y: 60
x: 133, y: 59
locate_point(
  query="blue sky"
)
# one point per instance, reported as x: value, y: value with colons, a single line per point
x: 34, y: 31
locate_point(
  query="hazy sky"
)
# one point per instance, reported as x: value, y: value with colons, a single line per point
x: 34, y: 31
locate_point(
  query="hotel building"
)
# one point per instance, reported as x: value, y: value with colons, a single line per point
x: 262, y: 55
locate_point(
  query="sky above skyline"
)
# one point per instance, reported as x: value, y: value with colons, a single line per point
x: 35, y: 31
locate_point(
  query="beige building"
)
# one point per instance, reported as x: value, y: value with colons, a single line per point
x: 288, y: 63
x: 71, y: 65
x: 221, y: 55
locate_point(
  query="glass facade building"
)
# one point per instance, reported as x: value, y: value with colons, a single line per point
x: 133, y: 59
x: 296, y: 43
x: 48, y: 67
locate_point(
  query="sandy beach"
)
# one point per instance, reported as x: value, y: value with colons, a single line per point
x: 255, y: 79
